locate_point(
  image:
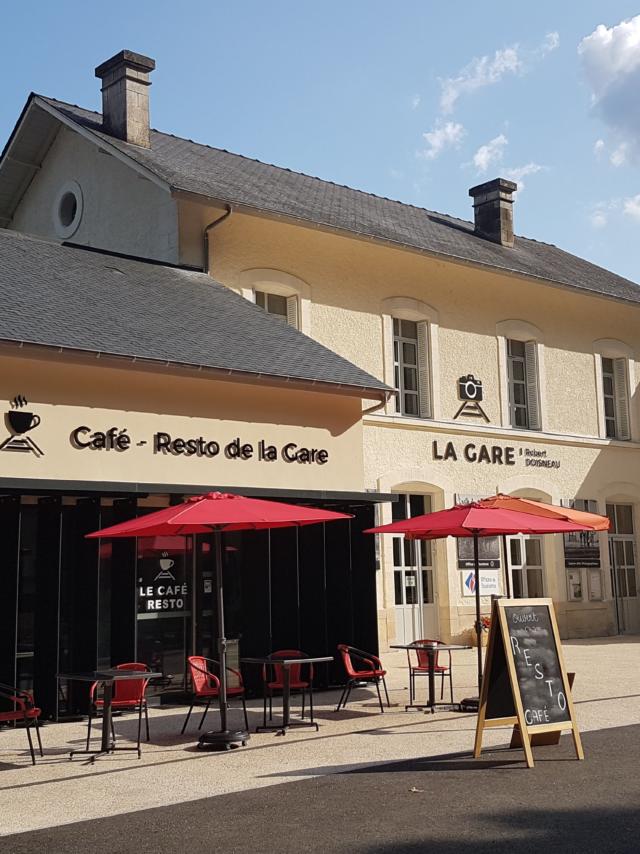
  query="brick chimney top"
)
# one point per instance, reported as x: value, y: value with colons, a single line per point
x: 125, y: 96
x: 493, y: 210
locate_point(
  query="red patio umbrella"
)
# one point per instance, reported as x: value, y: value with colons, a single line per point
x: 215, y: 513
x: 593, y: 521
x: 480, y: 519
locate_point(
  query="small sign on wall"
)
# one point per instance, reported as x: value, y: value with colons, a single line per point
x: 489, y: 582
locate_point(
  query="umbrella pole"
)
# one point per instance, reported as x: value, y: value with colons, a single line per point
x: 476, y: 561
x: 222, y: 641
x: 222, y: 738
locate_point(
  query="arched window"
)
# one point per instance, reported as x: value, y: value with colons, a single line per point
x: 410, y: 329
x: 280, y: 294
x: 521, y: 369
x: 614, y: 365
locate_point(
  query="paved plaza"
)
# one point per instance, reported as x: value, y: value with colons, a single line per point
x: 401, y: 781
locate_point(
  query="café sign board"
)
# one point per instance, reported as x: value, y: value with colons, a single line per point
x: 525, y: 681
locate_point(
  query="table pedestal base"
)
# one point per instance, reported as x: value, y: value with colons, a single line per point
x: 223, y: 739
x: 470, y: 704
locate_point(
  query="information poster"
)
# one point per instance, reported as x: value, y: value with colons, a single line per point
x: 581, y: 548
x: 488, y: 547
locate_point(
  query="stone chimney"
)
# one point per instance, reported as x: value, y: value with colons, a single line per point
x: 125, y: 96
x: 493, y: 210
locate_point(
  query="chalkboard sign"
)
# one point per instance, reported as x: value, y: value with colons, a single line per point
x: 538, y: 669
x: 525, y: 681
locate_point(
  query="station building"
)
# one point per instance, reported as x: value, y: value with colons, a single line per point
x: 512, y: 365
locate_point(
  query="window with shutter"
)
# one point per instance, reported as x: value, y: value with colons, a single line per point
x: 621, y: 399
x: 522, y: 375
x: 411, y: 367
x: 285, y: 308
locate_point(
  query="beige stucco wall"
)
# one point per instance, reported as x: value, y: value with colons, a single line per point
x: 349, y: 280
x: 122, y: 211
x: 67, y: 396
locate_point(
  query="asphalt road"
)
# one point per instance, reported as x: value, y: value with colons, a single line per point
x: 446, y: 804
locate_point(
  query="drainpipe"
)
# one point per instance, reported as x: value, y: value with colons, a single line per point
x: 205, y: 236
x: 387, y: 397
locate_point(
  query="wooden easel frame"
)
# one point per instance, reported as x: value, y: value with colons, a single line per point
x: 499, y: 624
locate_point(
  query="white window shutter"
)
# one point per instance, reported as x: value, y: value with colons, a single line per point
x: 533, y: 396
x: 424, y: 370
x: 292, y: 311
x: 622, y: 399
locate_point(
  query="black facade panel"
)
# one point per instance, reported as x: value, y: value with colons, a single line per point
x: 47, y: 603
x: 123, y: 587
x: 9, y: 565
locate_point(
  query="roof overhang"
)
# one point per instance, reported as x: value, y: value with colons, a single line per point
x: 32, y: 350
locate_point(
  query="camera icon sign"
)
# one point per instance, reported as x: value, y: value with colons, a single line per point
x: 469, y: 388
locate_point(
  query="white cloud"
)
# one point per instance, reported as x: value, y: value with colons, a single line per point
x: 490, y: 153
x: 481, y: 71
x: 618, y: 156
x: 519, y: 173
x: 415, y: 101
x: 631, y: 207
x: 598, y: 147
x: 598, y: 219
x: 487, y: 70
x: 551, y: 42
x: 443, y: 136
x: 611, y: 62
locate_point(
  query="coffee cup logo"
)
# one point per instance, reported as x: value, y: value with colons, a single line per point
x: 20, y: 421
x: 165, y: 567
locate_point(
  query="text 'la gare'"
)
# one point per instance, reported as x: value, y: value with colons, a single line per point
x: 472, y: 453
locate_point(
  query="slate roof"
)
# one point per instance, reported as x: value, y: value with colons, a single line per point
x: 218, y: 174
x: 75, y: 298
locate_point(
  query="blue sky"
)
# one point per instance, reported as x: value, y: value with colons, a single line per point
x: 416, y: 100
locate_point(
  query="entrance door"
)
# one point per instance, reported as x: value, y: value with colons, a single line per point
x: 416, y: 615
x: 622, y: 560
x: 526, y: 566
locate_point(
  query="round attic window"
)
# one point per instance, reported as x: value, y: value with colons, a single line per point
x: 67, y: 209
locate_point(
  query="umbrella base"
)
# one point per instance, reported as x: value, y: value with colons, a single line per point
x: 470, y: 704
x: 224, y: 739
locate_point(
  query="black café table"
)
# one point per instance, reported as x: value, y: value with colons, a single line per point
x: 286, y: 664
x: 432, y: 650
x: 107, y: 677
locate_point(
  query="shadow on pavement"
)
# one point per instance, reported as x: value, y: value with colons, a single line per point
x: 419, y: 805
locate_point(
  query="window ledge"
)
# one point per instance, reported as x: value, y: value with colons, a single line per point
x: 435, y: 426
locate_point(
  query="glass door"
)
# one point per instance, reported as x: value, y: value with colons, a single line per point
x: 164, y: 593
x: 526, y: 566
x: 416, y: 616
x: 622, y: 560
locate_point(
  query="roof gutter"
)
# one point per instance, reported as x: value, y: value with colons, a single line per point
x: 205, y: 236
x: 269, y: 213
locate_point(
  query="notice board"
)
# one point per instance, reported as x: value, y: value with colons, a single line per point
x: 525, y: 681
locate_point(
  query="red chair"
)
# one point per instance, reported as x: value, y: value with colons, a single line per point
x: 421, y: 668
x: 128, y: 695
x: 273, y: 680
x: 24, y: 710
x: 206, y: 686
x: 371, y: 671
